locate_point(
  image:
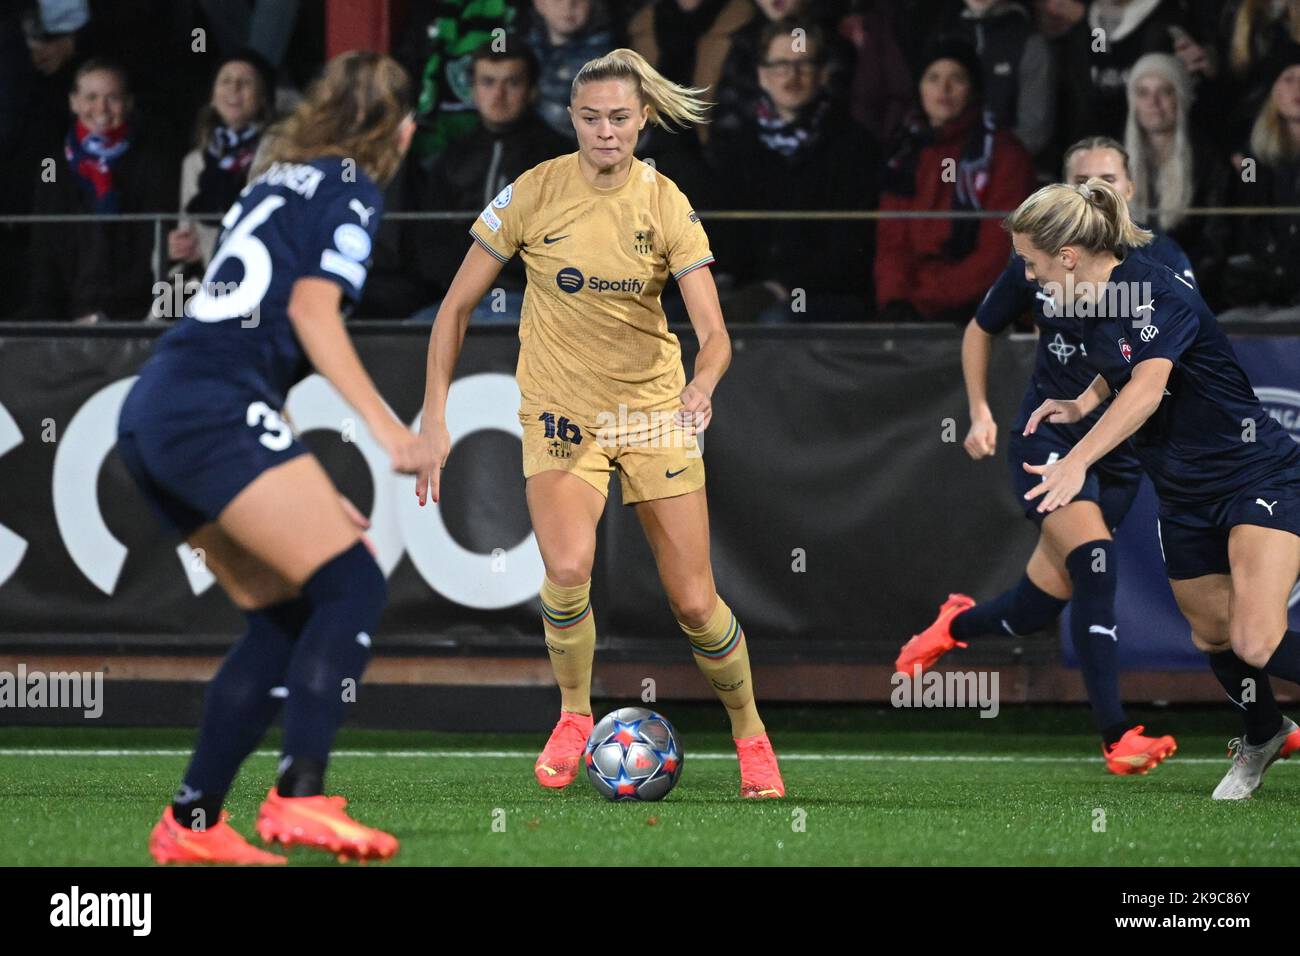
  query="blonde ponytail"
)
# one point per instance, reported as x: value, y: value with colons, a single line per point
x: 669, y: 102
x: 1091, y: 216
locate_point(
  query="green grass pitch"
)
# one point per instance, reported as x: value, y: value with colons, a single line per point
x: 865, y: 786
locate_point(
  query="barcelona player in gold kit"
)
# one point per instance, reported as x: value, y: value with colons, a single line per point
x: 603, y: 388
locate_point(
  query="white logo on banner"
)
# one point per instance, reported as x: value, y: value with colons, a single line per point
x: 1283, y: 405
x: 12, y: 546
x: 475, y: 403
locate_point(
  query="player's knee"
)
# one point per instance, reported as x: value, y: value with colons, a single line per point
x: 1254, y: 635
x: 1213, y: 640
x: 569, y: 573
x: 260, y: 592
x: 349, y: 591
x: 352, y: 578
x: 695, y: 607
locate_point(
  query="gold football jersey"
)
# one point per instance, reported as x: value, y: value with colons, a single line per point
x: 593, y: 339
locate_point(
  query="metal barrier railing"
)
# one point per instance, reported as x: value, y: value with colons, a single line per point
x: 158, y: 219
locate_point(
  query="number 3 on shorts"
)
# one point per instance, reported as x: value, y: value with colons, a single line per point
x: 279, y: 435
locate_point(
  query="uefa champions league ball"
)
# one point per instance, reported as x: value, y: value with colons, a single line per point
x: 633, y: 754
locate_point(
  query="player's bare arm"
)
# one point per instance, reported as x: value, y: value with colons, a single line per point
x: 976, y: 350
x: 1136, y: 402
x: 701, y: 297
x: 1066, y: 411
x: 318, y: 323
x: 475, y: 276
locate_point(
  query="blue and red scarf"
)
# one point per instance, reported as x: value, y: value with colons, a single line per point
x: 92, y: 156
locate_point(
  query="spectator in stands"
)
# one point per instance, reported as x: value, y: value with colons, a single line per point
x: 37, y: 46
x: 470, y: 173
x: 1250, y: 32
x: 565, y: 35
x: 1173, y: 166
x: 154, y: 41
x: 951, y: 157
x: 227, y: 135
x: 738, y: 90
x: 1264, y: 250
x: 1019, y: 78
x: 799, y: 150
x: 879, y: 82
x: 90, y: 271
x: 688, y: 40
x: 439, y: 35
x: 1095, y: 75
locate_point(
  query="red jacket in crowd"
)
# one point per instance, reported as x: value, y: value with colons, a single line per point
x: 910, y: 261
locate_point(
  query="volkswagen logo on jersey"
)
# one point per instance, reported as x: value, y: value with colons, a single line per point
x: 1149, y: 332
x: 1282, y: 405
x: 1126, y: 350
x: 1061, y: 348
x: 569, y: 279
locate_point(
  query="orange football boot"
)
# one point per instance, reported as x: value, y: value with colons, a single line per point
x: 172, y: 843
x: 1134, y: 753
x: 926, y: 648
x: 759, y: 774
x: 320, y: 822
x: 558, y: 763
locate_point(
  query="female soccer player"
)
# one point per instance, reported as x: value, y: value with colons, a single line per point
x: 203, y: 435
x: 1227, y: 475
x: 603, y: 388
x: 1074, y: 561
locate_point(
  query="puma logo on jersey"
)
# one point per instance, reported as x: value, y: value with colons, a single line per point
x: 1264, y: 504
x: 1110, y: 632
x: 363, y: 211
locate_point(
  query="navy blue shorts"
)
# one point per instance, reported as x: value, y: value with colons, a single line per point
x: 190, y: 470
x: 1194, y: 541
x: 1113, y: 494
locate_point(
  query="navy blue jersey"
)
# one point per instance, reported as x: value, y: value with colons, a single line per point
x: 295, y: 220
x: 1061, y: 368
x: 1210, y: 437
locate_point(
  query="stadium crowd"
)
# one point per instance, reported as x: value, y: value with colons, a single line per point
x: 139, y: 106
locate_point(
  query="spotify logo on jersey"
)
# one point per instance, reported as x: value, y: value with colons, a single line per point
x: 569, y: 279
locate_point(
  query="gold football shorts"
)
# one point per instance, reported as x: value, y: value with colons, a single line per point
x: 654, y: 456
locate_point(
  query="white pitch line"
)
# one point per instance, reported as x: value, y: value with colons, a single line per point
x: 528, y: 754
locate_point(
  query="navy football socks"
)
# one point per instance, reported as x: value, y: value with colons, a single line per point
x: 347, y: 596
x: 1022, y: 610
x: 240, y: 704
x: 1095, y: 634
x: 1259, y: 710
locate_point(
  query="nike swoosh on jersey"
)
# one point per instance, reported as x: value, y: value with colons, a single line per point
x: 674, y: 474
x: 549, y: 239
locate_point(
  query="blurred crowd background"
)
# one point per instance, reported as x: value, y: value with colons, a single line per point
x: 122, y: 107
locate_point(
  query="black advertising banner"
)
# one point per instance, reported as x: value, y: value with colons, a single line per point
x: 843, y: 508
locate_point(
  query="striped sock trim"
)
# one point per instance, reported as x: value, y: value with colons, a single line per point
x: 724, y: 645
x: 561, y: 621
